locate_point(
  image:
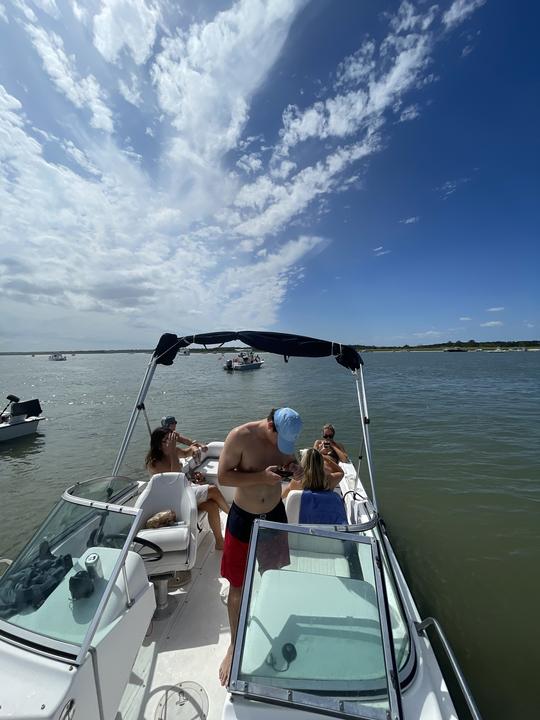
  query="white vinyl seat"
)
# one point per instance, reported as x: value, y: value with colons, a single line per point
x: 292, y: 506
x: 178, y: 542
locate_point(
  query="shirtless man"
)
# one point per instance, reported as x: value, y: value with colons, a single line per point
x: 251, y: 454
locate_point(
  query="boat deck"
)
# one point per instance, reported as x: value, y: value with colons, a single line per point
x: 186, y: 646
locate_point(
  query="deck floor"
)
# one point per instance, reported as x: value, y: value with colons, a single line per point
x: 186, y: 646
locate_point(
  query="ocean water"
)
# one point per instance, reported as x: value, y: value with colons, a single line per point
x: 456, y: 446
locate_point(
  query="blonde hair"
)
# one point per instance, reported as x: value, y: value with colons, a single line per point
x: 314, y: 476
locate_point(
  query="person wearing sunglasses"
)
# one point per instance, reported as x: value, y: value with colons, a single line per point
x: 329, y: 447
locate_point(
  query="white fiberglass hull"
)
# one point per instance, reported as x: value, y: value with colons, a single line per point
x: 182, y: 652
x: 17, y: 430
x: 245, y: 366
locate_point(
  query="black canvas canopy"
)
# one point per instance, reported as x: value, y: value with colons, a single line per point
x: 279, y: 343
x: 29, y: 408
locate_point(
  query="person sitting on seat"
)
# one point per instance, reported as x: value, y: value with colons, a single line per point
x: 163, y: 457
x: 319, y: 503
x: 329, y: 446
x: 194, y: 446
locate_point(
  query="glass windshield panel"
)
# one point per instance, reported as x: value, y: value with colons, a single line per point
x: 313, y: 622
x: 55, y: 585
x: 400, y: 630
x: 105, y: 489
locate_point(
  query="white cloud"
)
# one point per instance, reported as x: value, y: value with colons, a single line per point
x: 495, y: 309
x: 428, y: 333
x: 250, y: 163
x: 83, y: 92
x: 450, y: 186
x: 491, y: 323
x: 48, y: 6
x: 126, y: 23
x: 131, y: 93
x: 410, y: 220
x: 409, y: 113
x: 187, y: 211
x: 3, y: 13
x: 205, y: 78
x: 459, y: 11
x: 465, y: 318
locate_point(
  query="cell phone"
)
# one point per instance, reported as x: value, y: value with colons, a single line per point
x: 284, y: 473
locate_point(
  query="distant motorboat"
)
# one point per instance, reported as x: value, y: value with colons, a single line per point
x: 20, y: 419
x: 243, y: 361
x: 57, y: 356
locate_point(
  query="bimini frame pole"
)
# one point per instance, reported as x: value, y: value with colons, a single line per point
x: 364, y: 420
x: 139, y: 405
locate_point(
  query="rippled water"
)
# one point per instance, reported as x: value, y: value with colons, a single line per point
x: 456, y: 441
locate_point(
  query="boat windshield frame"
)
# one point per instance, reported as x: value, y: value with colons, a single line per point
x: 325, y: 704
x: 50, y: 646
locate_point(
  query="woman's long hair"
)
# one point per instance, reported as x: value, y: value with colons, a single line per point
x: 156, y: 454
x: 314, y: 475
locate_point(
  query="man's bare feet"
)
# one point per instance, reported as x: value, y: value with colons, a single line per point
x: 225, y: 667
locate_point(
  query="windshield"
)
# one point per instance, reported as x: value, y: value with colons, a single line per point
x: 315, y: 623
x: 54, y: 586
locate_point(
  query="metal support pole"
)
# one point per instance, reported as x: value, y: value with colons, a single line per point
x: 139, y: 404
x: 364, y: 419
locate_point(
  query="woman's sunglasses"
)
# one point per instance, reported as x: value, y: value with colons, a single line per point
x: 327, y: 437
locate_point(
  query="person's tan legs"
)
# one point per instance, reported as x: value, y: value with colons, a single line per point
x: 233, y: 608
x: 212, y: 508
x: 214, y: 494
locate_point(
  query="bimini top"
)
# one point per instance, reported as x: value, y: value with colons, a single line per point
x: 273, y: 342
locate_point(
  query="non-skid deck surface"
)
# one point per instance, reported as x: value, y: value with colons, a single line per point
x: 186, y: 646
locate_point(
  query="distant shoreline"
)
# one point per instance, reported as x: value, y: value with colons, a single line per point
x: 470, y: 346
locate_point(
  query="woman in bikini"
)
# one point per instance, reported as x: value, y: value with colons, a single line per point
x: 163, y: 457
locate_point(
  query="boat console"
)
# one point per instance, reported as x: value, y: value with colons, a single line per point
x: 74, y: 608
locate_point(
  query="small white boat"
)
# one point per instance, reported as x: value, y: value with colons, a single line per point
x: 243, y: 361
x: 57, y: 356
x: 19, y: 418
x: 332, y: 631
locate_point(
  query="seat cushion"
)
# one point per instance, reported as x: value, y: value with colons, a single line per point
x: 172, y: 538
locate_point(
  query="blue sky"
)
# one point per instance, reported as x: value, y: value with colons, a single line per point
x: 362, y: 172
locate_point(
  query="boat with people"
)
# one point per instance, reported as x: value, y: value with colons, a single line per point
x: 105, y: 615
x: 19, y: 419
x: 244, y: 361
x: 57, y: 356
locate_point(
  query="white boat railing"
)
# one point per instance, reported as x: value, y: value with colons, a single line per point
x: 421, y: 628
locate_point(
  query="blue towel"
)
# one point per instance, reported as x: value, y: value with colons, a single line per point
x: 322, y: 507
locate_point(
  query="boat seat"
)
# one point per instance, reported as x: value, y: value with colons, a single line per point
x: 293, y: 503
x: 178, y: 542
x: 303, y: 559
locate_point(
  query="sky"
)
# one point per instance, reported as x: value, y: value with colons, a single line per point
x: 364, y: 172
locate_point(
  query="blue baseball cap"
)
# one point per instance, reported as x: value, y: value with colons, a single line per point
x: 288, y: 424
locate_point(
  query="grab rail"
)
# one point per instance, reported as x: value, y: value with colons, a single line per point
x: 421, y: 627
